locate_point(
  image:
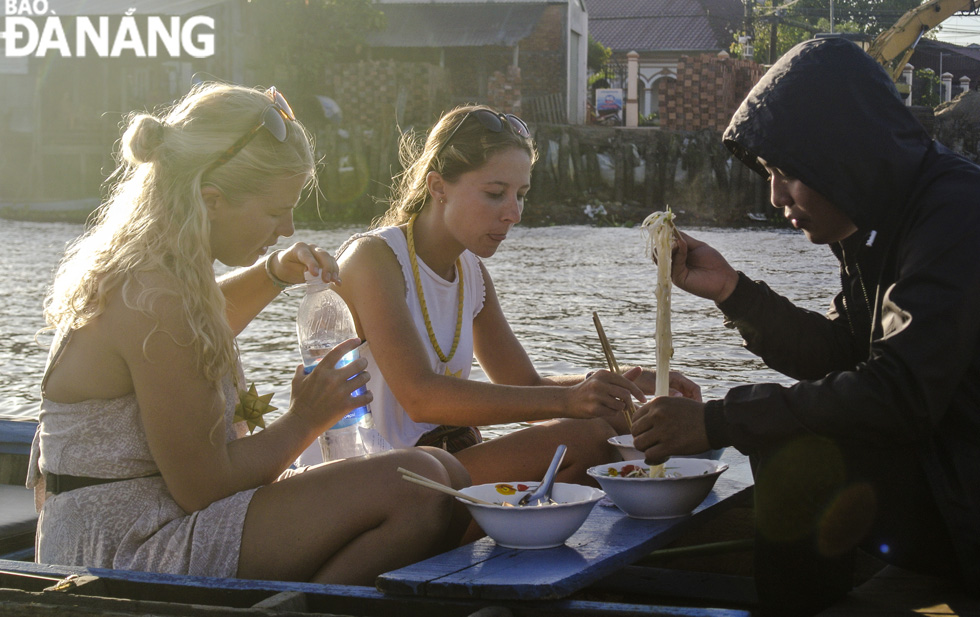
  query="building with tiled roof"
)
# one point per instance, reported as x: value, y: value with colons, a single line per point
x: 539, y: 44
x: 661, y: 31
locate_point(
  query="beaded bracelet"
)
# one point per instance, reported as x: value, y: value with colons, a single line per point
x: 278, y: 282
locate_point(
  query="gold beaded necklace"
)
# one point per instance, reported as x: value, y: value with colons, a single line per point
x: 425, y: 311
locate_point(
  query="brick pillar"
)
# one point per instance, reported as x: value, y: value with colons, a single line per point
x: 514, y: 77
x: 504, y: 90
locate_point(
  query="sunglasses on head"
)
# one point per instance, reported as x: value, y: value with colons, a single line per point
x: 492, y: 121
x: 273, y: 119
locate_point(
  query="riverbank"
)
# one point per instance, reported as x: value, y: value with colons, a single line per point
x: 586, y: 175
x: 66, y: 211
x: 596, y: 213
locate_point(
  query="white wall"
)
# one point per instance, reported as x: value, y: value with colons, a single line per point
x: 577, y: 54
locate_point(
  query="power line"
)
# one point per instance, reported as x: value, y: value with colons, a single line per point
x: 959, y: 28
x: 961, y: 31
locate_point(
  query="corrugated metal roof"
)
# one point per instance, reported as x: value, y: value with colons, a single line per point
x: 128, y: 7
x: 663, y: 25
x: 456, y: 25
x: 936, y: 46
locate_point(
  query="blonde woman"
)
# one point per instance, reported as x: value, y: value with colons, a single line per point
x: 426, y: 304
x: 138, y: 460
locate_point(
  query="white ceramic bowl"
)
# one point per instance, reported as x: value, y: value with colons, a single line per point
x: 624, y: 443
x: 531, y: 526
x: 689, y: 481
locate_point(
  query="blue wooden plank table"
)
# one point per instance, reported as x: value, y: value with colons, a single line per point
x: 606, y: 542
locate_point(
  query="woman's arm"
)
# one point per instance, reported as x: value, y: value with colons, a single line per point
x: 501, y: 355
x: 375, y: 290
x: 183, y: 414
x: 249, y: 290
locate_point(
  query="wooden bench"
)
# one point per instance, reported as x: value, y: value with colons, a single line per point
x: 606, y: 543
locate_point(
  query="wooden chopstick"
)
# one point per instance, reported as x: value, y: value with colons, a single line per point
x: 613, y: 365
x: 423, y: 481
x: 606, y: 349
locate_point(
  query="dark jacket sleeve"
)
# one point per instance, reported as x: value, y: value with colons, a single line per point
x: 924, y: 353
x: 798, y: 343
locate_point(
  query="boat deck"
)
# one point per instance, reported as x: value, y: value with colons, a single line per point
x: 34, y: 590
x: 617, y: 581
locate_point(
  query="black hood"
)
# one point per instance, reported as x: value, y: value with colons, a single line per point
x: 829, y: 115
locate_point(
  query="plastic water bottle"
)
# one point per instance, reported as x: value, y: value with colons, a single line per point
x: 322, y: 323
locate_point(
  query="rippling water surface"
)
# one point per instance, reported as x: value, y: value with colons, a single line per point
x: 549, y: 281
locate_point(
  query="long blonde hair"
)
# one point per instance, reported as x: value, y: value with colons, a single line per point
x: 471, y: 146
x: 151, y: 237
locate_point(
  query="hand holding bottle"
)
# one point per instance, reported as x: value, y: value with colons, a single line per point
x: 323, y: 321
x: 324, y: 394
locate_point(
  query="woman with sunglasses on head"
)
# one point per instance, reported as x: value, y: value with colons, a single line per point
x: 426, y: 305
x: 139, y: 460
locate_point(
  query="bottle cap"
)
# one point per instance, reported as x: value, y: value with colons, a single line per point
x: 313, y: 280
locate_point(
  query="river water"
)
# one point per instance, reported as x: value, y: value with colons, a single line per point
x: 549, y: 281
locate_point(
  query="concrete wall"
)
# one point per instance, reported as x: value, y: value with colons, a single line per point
x: 631, y: 172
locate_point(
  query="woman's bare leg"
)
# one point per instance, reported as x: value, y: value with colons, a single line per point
x: 347, y: 522
x: 525, y: 454
x: 459, y: 478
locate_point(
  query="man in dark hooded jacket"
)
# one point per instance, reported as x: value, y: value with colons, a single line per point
x: 878, y: 443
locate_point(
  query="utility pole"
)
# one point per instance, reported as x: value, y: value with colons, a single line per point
x: 773, y: 33
x: 748, y: 30
x: 941, y: 101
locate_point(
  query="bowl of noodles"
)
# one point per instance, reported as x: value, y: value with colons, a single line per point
x: 670, y: 490
x: 624, y: 445
x: 531, y: 526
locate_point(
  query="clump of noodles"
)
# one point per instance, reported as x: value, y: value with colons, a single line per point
x: 660, y: 234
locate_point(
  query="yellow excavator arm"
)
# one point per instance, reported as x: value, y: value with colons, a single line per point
x: 893, y: 47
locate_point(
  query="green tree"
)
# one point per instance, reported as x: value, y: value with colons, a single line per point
x: 294, y: 44
x: 797, y: 21
x: 925, y: 87
x: 598, y: 55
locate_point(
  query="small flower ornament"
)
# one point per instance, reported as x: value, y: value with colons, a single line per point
x: 251, y: 407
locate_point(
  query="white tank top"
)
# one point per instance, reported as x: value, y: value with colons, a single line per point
x: 390, y: 418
